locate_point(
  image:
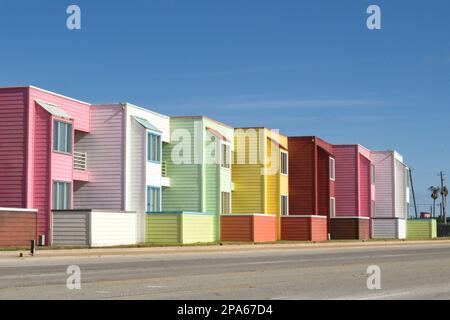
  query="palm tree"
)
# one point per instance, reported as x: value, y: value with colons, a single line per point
x: 434, y: 195
x: 444, y: 193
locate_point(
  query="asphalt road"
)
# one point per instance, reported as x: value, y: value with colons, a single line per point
x: 407, y: 272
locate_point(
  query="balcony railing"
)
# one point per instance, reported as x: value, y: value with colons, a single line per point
x: 80, y: 161
x: 164, y: 169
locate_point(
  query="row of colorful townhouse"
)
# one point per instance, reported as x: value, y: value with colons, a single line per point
x: 119, y: 174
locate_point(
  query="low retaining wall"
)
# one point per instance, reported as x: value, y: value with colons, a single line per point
x: 181, y: 228
x: 422, y: 229
x: 17, y: 227
x: 388, y: 228
x: 350, y: 228
x: 304, y: 228
x: 248, y: 227
x: 95, y: 228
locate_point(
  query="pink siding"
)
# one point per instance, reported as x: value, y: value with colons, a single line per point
x: 79, y: 111
x: 346, y: 180
x: 353, y: 190
x: 13, y: 148
x: 62, y: 165
x: 364, y: 186
x: 41, y: 173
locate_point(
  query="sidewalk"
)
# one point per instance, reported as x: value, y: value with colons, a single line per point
x: 226, y: 247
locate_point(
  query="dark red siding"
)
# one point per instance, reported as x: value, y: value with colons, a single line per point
x: 13, y: 117
x: 253, y: 228
x: 301, y: 176
x: 17, y: 229
x: 303, y: 228
x: 350, y: 229
x: 310, y: 186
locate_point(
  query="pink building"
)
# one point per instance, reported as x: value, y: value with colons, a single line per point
x: 354, y: 191
x: 39, y: 164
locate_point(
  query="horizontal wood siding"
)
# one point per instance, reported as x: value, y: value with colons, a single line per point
x: 346, y: 187
x: 384, y: 184
x: 422, y: 229
x: 185, y: 192
x: 364, y: 187
x: 13, y: 129
x: 385, y: 229
x: 401, y: 185
x: 350, y: 229
x: 114, y: 228
x: 323, y: 182
x: 70, y: 228
x: 163, y: 228
x: 236, y: 228
x: 17, y: 228
x: 62, y: 167
x: 78, y: 111
x: 199, y: 228
x: 42, y: 183
x: 296, y: 228
x: 319, y: 229
x: 264, y: 228
x: 105, y: 150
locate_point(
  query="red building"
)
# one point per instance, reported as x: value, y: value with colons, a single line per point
x: 311, y: 189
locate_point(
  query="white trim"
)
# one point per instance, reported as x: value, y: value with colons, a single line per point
x: 332, y: 160
x: 249, y: 214
x: 305, y: 216
x: 350, y: 217
x: 334, y: 209
x: 287, y: 163
x: 18, y: 209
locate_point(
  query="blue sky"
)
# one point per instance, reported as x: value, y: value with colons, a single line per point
x: 305, y: 67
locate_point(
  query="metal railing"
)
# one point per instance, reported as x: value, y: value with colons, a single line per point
x: 80, y: 161
x: 164, y: 168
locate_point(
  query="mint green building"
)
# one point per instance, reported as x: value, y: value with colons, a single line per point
x: 198, y: 162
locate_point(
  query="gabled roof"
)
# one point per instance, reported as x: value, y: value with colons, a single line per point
x: 146, y: 124
x: 216, y: 133
x: 54, y: 110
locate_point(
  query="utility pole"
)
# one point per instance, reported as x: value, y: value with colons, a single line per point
x: 412, y: 190
x: 444, y: 200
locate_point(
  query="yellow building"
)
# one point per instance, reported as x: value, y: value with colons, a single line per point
x: 260, y: 173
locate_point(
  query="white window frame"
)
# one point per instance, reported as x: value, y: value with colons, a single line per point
x: 373, y: 174
x: 281, y: 205
x: 281, y: 163
x: 332, y: 168
x: 150, y: 147
x: 61, y: 186
x: 225, y: 155
x: 332, y: 207
x: 147, y: 197
x: 62, y: 139
x: 223, y: 194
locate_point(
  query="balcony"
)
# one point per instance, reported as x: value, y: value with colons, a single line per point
x: 80, y: 172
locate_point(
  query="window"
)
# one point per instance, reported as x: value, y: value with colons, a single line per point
x: 284, y: 206
x: 153, y: 199
x: 226, y: 202
x: 62, y: 137
x: 332, y: 169
x: 284, y: 163
x: 61, y: 195
x: 225, y: 156
x: 372, y: 174
x: 153, y: 147
x: 332, y: 207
